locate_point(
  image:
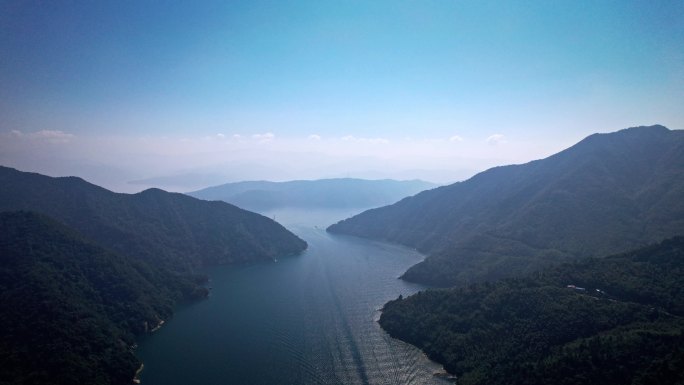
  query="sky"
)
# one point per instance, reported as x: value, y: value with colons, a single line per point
x: 182, y: 95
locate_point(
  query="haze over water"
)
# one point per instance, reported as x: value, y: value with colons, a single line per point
x: 307, y: 319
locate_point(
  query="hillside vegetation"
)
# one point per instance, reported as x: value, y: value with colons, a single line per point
x: 622, y: 322
x: 69, y: 310
x: 83, y: 271
x: 606, y: 194
x: 170, y: 230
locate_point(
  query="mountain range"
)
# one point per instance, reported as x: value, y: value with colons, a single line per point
x: 606, y: 194
x: 322, y: 193
x: 170, y: 229
x: 83, y: 271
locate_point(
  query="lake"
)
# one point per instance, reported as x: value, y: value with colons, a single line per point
x: 305, y: 319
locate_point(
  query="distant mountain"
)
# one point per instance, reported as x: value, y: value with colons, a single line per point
x: 69, y: 308
x: 186, y: 180
x: 613, y: 320
x: 606, y: 194
x: 170, y: 230
x: 324, y: 193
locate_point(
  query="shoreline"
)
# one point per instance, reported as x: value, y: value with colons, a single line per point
x: 136, y: 379
x: 159, y: 325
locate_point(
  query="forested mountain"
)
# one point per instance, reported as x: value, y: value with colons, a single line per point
x: 606, y: 194
x: 88, y: 269
x: 170, y: 230
x: 613, y: 320
x: 68, y: 308
x: 323, y: 193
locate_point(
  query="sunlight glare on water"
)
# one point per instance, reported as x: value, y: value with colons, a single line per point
x: 306, y: 319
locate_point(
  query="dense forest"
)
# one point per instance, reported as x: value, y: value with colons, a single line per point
x: 323, y: 193
x: 84, y: 270
x: 616, y: 320
x: 170, y: 230
x: 69, y: 309
x: 606, y: 194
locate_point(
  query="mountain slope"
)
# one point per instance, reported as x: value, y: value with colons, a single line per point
x: 68, y: 308
x: 73, y: 298
x: 622, y: 322
x: 608, y: 193
x: 172, y: 231
x: 327, y: 193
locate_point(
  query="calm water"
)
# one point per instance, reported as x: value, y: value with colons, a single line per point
x: 308, y: 319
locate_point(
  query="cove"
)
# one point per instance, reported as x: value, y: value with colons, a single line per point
x: 306, y: 319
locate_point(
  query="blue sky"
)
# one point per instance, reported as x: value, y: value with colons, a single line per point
x: 499, y: 81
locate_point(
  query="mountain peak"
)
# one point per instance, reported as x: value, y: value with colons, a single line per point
x: 656, y: 128
x: 152, y: 191
x: 605, y: 194
x: 641, y: 131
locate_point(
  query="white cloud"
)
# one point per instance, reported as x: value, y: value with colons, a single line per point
x: 352, y: 138
x: 220, y: 136
x: 259, y: 156
x: 456, y: 138
x: 314, y: 137
x: 51, y: 136
x: 376, y: 140
x: 496, y: 139
x: 267, y: 137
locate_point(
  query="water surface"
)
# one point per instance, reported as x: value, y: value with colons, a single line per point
x: 307, y: 319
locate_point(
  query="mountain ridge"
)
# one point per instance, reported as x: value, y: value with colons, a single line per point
x: 328, y: 193
x: 518, y: 218
x: 85, y: 270
x: 172, y: 229
x: 615, y: 319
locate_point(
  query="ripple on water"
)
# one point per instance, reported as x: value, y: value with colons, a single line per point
x: 308, y: 319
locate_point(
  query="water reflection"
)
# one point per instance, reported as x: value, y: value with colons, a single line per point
x: 308, y: 319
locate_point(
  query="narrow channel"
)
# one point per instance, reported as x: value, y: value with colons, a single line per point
x: 306, y: 319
